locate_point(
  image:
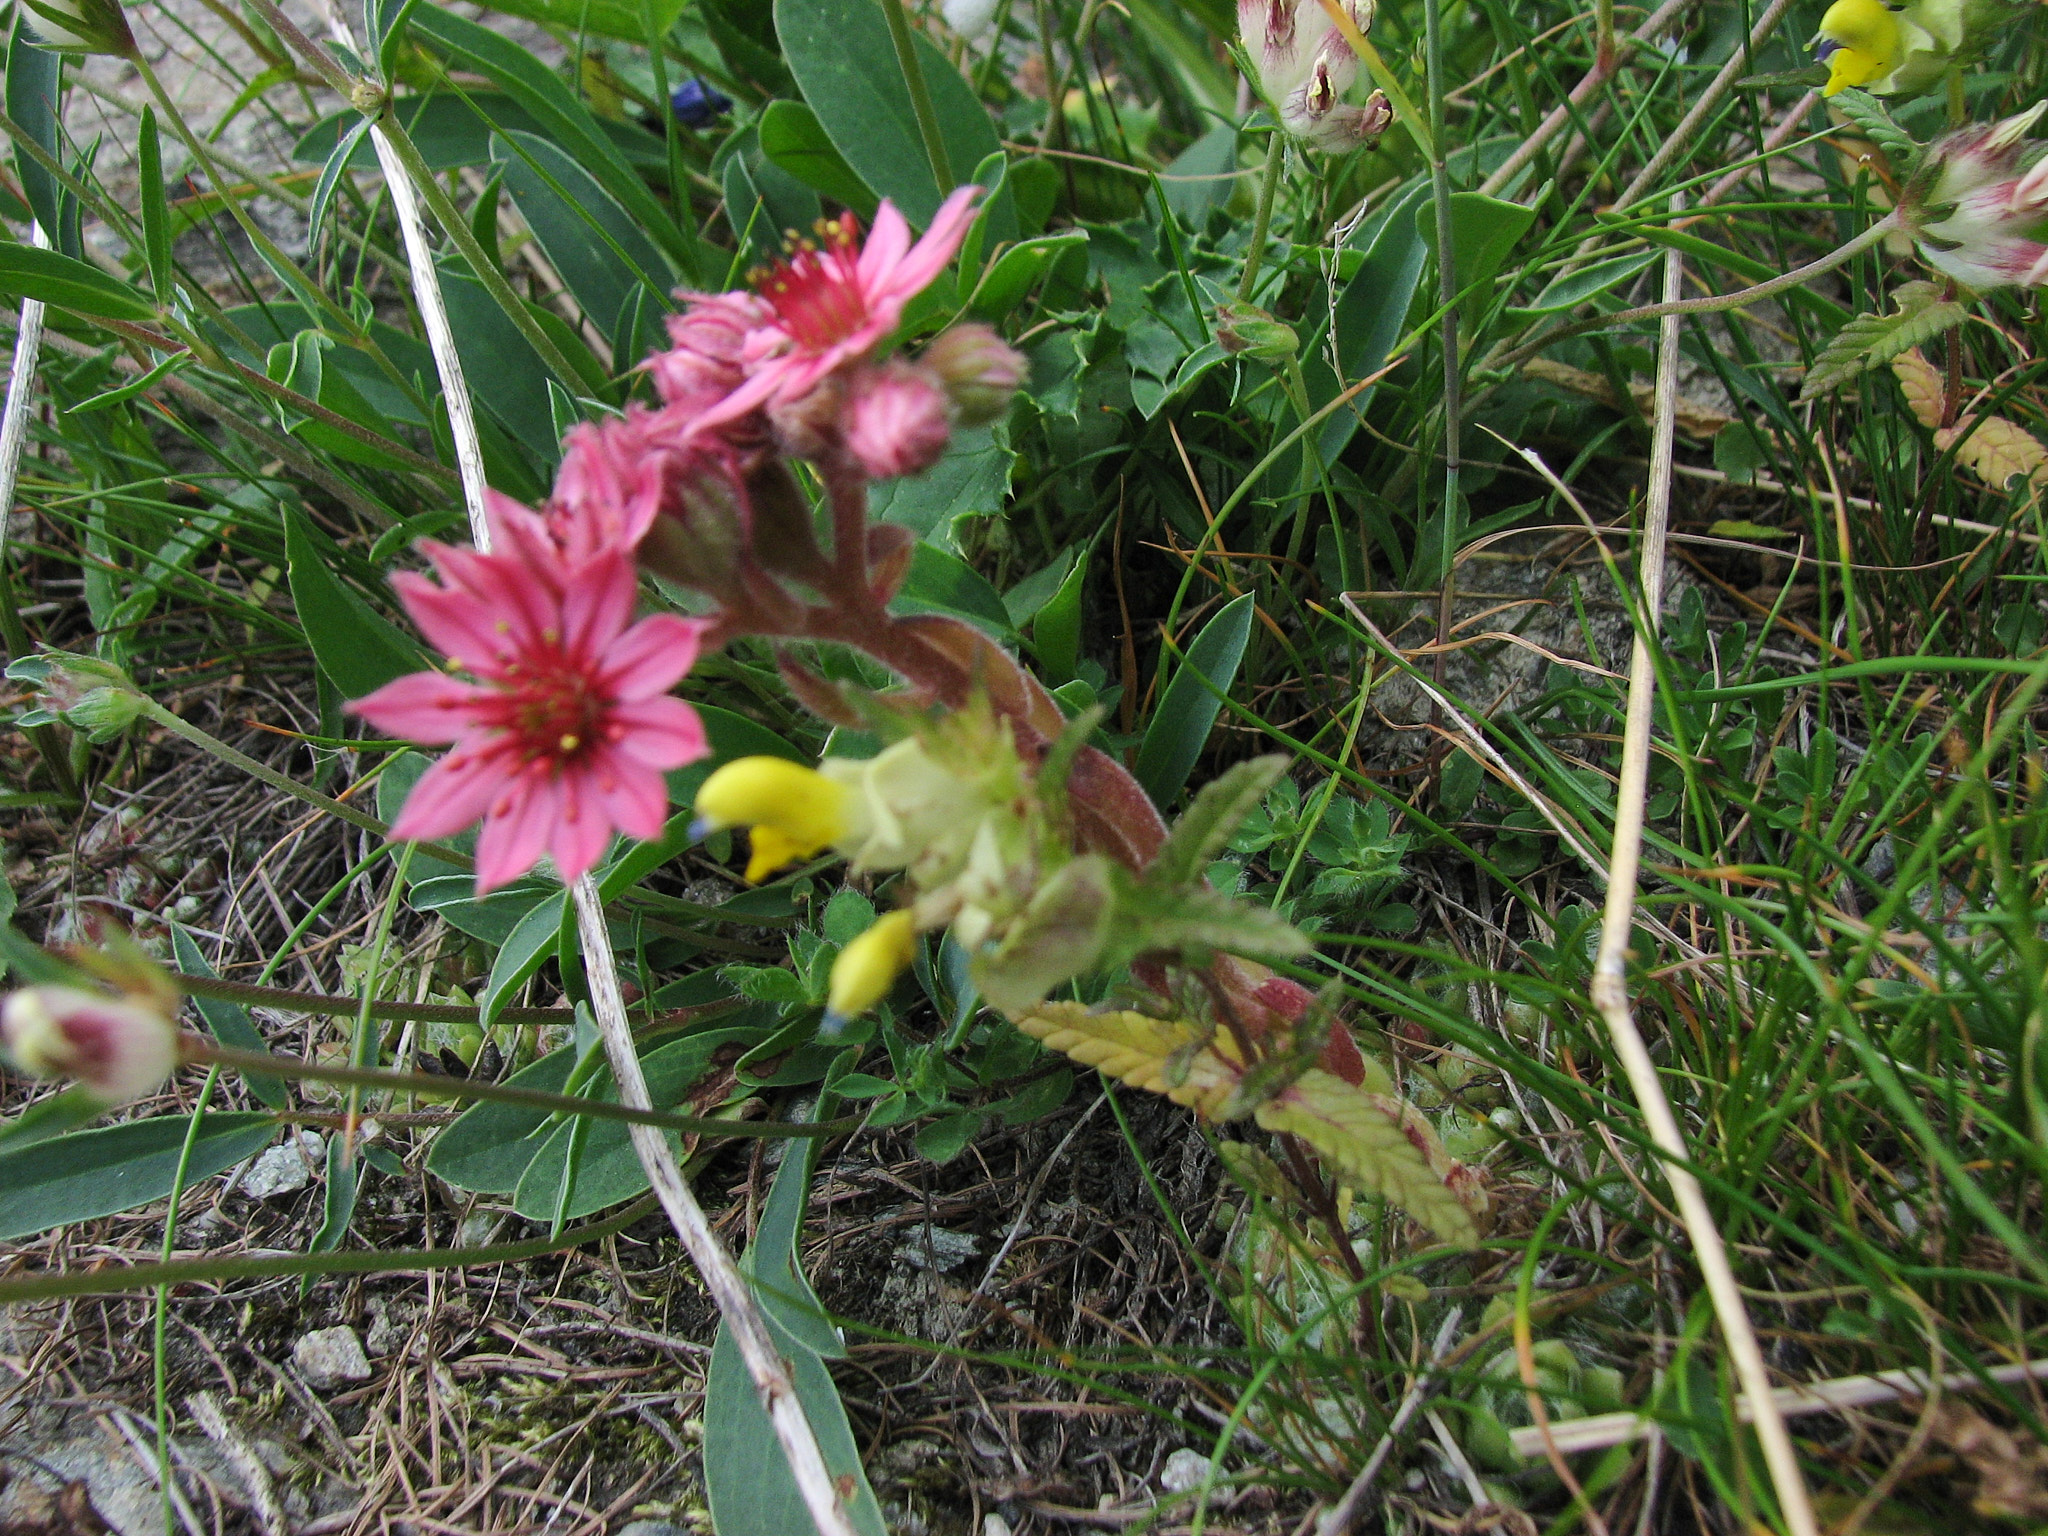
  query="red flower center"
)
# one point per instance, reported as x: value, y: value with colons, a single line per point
x: 815, y: 290
x: 549, y: 708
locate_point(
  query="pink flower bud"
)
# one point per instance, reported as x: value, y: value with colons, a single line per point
x: 807, y: 426
x: 978, y: 371
x: 707, y: 356
x: 896, y: 421
x: 117, y: 1049
x: 1977, y: 202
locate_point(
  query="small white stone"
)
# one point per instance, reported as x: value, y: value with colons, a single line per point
x: 945, y: 1251
x: 331, y: 1357
x: 284, y: 1169
x: 1184, y: 1472
x: 993, y: 1524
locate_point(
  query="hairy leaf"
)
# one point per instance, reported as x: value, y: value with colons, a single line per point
x: 1376, y: 1145
x: 1870, y: 340
x: 1994, y: 449
x: 1921, y: 382
x: 1159, y: 1055
x: 1193, y: 921
x: 1875, y: 123
x: 1212, y: 820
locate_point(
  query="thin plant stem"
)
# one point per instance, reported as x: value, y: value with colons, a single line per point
x: 1450, y: 522
x: 1262, y: 219
x: 1603, y: 36
x: 728, y: 1287
x: 1610, y: 965
x: 160, y: 1322
x: 1685, y: 138
x: 920, y: 95
x: 269, y: 775
x: 114, y: 1280
x: 457, y: 229
x: 1565, y: 111
x: 198, y: 1049
x: 1713, y: 304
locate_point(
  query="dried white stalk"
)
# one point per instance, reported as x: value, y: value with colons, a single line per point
x: 21, y: 382
x: 1610, y: 965
x: 1601, y: 1430
x: 722, y: 1277
x: 729, y: 1289
x: 426, y: 287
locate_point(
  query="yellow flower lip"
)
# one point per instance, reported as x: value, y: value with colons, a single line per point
x: 795, y: 812
x: 868, y: 967
x: 1859, y: 42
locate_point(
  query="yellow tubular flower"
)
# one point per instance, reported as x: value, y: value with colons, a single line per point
x: 868, y: 967
x: 794, y: 811
x: 1859, y: 43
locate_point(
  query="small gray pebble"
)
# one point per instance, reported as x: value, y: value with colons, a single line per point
x: 331, y: 1357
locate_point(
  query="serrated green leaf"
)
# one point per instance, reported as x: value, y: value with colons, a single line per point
x: 1212, y: 820
x: 1195, y: 921
x: 1876, y: 125
x: 1372, y: 1143
x: 1870, y: 341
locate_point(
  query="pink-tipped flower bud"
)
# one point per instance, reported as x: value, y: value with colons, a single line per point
x: 1305, y: 65
x: 117, y: 1049
x: 1977, y: 202
x: 978, y: 370
x: 707, y: 346
x: 896, y: 421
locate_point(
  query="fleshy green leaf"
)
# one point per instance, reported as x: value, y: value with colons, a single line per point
x: 64, y: 283
x: 1188, y: 708
x: 89, y: 1174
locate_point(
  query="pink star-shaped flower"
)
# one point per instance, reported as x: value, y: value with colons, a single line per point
x: 831, y: 304
x: 568, y: 729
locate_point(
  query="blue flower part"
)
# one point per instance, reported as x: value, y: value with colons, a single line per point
x: 698, y: 104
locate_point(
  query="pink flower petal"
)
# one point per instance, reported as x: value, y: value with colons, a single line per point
x: 581, y: 830
x: 452, y: 794
x: 515, y: 836
x: 457, y: 625
x: 423, y: 706
x: 652, y: 656
x: 914, y: 272
x: 662, y: 733
x: 597, y: 604
x: 886, y: 243
x: 633, y: 798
